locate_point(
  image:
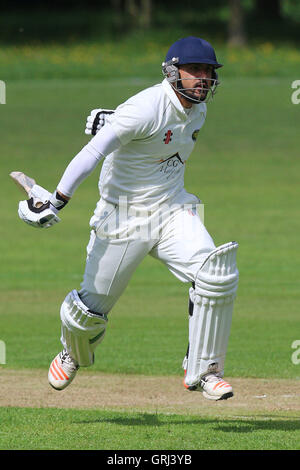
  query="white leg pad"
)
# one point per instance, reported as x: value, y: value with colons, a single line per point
x: 81, y: 329
x: 209, y: 325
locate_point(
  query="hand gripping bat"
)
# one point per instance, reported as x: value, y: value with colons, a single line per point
x: 32, y: 212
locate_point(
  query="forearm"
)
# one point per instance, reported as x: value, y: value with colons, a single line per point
x: 76, y: 172
x: 84, y: 163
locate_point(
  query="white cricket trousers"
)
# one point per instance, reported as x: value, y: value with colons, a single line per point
x: 123, y: 236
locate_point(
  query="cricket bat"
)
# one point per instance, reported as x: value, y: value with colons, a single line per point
x: 25, y: 183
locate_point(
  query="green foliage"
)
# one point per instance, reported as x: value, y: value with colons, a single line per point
x: 98, y: 22
x: 138, y: 56
x: 291, y: 10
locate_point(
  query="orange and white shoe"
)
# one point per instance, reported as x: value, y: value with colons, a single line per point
x: 215, y: 388
x: 212, y: 387
x: 62, y: 370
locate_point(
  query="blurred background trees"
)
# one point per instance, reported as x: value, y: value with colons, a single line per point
x: 237, y: 22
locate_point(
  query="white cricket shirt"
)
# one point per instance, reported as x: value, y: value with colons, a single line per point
x: 157, y: 135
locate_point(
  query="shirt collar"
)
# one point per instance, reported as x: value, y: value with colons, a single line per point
x: 176, y: 103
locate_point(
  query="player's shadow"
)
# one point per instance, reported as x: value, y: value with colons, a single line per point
x: 236, y: 425
x: 143, y: 419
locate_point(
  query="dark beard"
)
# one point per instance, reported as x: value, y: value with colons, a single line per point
x: 188, y: 95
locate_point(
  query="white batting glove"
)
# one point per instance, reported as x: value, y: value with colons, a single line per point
x: 41, y: 209
x: 96, y: 120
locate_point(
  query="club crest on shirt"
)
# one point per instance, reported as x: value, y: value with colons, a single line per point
x: 168, y: 136
x: 171, y: 165
x: 195, y: 134
x: 172, y: 160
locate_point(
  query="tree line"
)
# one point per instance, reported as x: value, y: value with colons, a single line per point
x: 232, y: 17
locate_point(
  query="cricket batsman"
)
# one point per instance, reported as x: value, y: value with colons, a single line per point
x: 144, y: 209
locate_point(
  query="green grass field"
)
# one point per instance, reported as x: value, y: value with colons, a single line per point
x: 245, y: 168
x: 92, y: 430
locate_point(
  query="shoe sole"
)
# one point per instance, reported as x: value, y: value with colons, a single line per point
x: 227, y: 395
x: 58, y: 389
x: 197, y: 388
x: 215, y: 398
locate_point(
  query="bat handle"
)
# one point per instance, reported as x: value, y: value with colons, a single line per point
x: 25, y: 183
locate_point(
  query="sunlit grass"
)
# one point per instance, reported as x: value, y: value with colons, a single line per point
x: 135, y: 56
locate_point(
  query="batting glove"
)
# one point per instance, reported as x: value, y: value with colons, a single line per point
x: 41, y: 209
x: 96, y: 120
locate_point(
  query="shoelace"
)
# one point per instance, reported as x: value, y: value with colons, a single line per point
x: 210, y: 378
x: 66, y: 358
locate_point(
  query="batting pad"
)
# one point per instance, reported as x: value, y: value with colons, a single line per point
x: 210, y: 318
x: 81, y: 330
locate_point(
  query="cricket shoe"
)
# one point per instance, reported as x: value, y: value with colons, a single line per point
x: 212, y: 387
x: 215, y: 388
x: 62, y: 370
